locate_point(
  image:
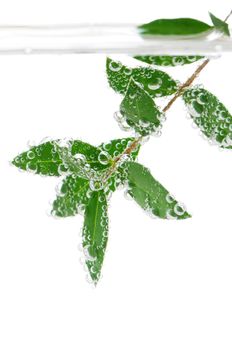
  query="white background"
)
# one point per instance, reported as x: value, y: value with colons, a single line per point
x: 166, y: 284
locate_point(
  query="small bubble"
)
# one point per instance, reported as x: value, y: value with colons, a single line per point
x: 156, y: 84
x: 87, y: 255
x: 169, y: 198
x: 118, y: 116
x: 179, y: 209
x: 104, y: 157
x: 31, y: 143
x: 115, y: 66
x: 96, y: 185
x: 127, y: 195
x: 169, y: 215
x: 80, y: 158
x: 62, y: 169
x: 128, y: 71
x: 31, y: 167
x: 177, y: 61
x: 202, y: 99
x: 30, y: 154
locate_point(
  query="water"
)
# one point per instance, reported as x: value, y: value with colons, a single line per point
x: 167, y: 262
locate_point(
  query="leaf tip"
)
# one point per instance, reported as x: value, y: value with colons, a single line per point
x: 16, y: 162
x: 219, y: 24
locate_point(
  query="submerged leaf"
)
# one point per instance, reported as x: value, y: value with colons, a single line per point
x: 210, y: 115
x: 72, y: 197
x: 151, y: 195
x: 47, y: 158
x: 174, y: 26
x: 140, y: 111
x: 42, y: 159
x: 168, y: 60
x: 154, y: 81
x: 220, y: 25
x: 95, y: 233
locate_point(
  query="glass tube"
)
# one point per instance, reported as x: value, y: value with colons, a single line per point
x: 105, y: 38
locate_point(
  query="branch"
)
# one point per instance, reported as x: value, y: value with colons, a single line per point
x: 178, y: 93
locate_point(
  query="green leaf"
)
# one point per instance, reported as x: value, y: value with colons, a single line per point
x: 220, y: 25
x: 210, y: 115
x: 73, y: 195
x: 151, y: 195
x: 95, y: 233
x: 139, y: 110
x: 47, y: 158
x: 174, y: 26
x: 154, y: 81
x: 168, y: 60
x: 42, y: 159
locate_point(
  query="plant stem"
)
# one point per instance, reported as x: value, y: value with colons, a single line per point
x: 228, y: 16
x: 178, y: 93
x: 188, y: 82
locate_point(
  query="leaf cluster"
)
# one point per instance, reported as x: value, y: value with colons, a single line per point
x: 90, y: 174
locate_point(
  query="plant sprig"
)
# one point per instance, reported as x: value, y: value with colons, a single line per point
x: 91, y: 174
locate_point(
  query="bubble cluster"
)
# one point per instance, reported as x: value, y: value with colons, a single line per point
x: 42, y: 159
x: 155, y: 82
x: 140, y: 111
x: 72, y: 196
x: 210, y: 115
x: 122, y: 122
x: 149, y: 194
x: 168, y: 60
x: 95, y: 235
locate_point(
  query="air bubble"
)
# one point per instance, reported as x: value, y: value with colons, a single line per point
x: 115, y: 66
x: 64, y: 143
x: 179, y: 209
x: 60, y: 190
x: 87, y: 255
x: 31, y: 143
x: 62, y: 169
x: 169, y: 215
x: 128, y: 71
x: 96, y: 185
x: 155, y: 85
x: 169, y: 198
x: 80, y: 158
x: 177, y: 61
x: 101, y: 199
x: 202, y: 99
x: 118, y: 116
x: 144, y: 123
x: 127, y: 195
x: 193, y: 111
x: 104, y: 158
x: 30, y: 155
x: 31, y: 167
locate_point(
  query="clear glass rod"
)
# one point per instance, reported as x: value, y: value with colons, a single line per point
x: 104, y: 38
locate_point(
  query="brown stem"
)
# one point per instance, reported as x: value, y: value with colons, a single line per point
x: 228, y: 16
x: 188, y: 82
x: 128, y: 150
